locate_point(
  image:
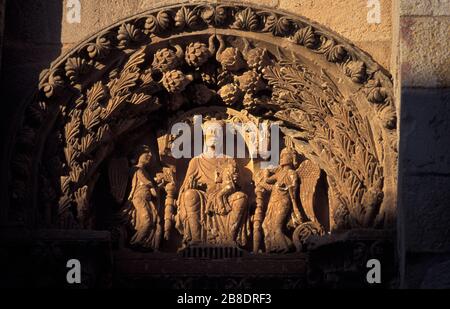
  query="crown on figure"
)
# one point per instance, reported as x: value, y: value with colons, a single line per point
x: 213, y: 123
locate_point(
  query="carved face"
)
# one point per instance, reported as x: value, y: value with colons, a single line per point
x: 213, y: 132
x: 145, y: 158
x: 286, y: 158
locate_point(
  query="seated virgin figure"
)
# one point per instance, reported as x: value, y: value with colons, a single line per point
x: 211, y: 207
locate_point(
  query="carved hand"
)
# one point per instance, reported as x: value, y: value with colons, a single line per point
x: 153, y: 192
x: 159, y: 179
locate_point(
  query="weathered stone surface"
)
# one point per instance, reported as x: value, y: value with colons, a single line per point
x: 425, y: 56
x: 268, y: 3
x: 332, y: 14
x: 425, y: 170
x: 97, y: 15
x: 437, y: 276
x: 349, y: 19
x: 380, y: 51
x: 427, y: 271
x: 425, y: 199
x: 425, y: 126
x: 425, y: 7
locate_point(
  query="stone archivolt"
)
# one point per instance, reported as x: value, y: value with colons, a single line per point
x: 97, y: 104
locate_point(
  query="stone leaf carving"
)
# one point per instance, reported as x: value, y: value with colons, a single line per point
x: 118, y: 171
x: 340, y: 137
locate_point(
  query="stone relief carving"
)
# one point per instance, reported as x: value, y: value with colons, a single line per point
x: 334, y: 105
x: 143, y: 210
x: 211, y: 208
x: 282, y: 206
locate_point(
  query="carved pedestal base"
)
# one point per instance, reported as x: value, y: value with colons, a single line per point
x: 249, y: 271
x: 328, y: 262
x: 39, y: 259
x: 211, y: 252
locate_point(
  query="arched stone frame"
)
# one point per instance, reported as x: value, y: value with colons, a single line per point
x: 341, y: 71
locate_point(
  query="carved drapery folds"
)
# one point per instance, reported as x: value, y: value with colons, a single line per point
x: 334, y: 105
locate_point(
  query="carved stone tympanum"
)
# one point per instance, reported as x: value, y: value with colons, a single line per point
x: 78, y: 153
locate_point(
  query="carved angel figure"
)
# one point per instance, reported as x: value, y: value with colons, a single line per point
x: 143, y: 208
x: 211, y: 209
x: 313, y: 201
x: 282, y: 207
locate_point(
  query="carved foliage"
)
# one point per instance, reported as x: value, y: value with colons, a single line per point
x: 339, y: 136
x: 93, y: 125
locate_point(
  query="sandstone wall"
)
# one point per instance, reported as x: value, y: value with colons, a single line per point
x: 348, y: 18
x: 424, y: 164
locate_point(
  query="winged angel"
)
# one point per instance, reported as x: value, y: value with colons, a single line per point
x: 290, y: 205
